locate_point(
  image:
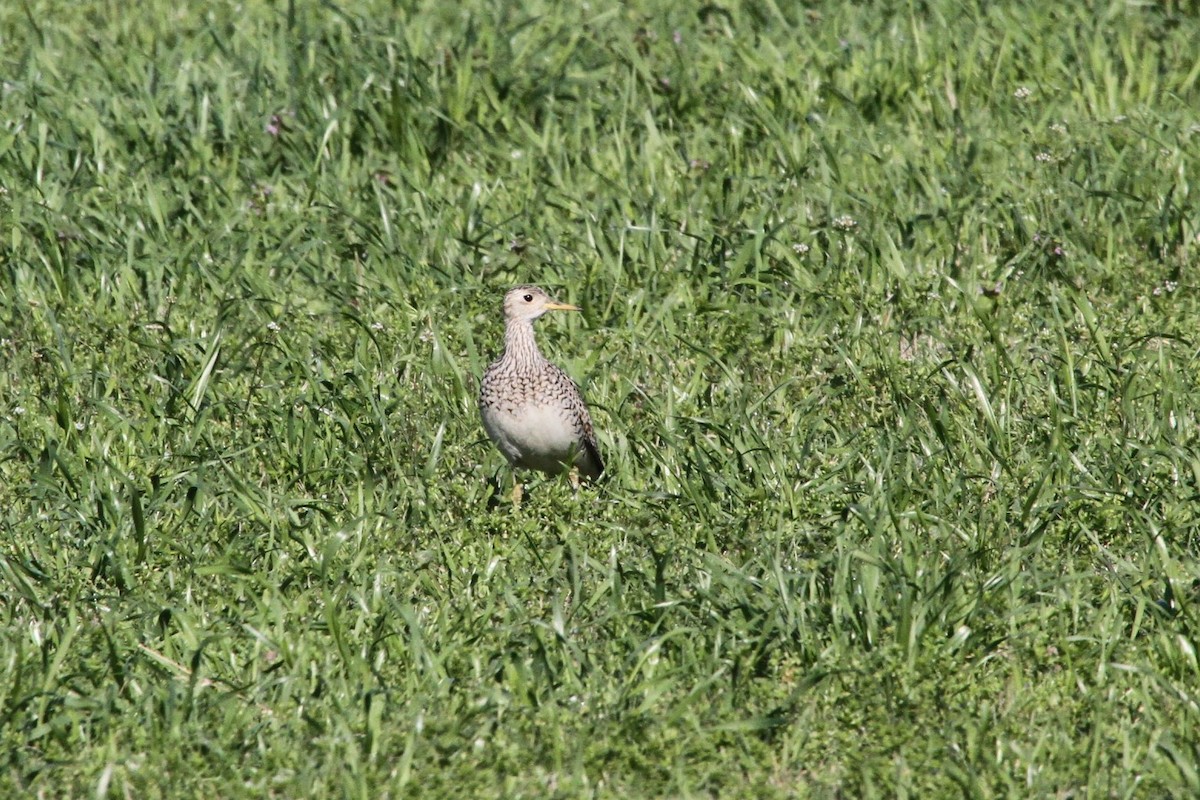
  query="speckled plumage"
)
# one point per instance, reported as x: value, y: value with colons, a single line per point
x: 531, y: 409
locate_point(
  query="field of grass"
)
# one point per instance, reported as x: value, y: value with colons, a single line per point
x: 890, y: 333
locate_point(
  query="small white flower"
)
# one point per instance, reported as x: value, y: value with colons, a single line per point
x: 79, y: 426
x: 1059, y: 128
x: 845, y: 222
x: 376, y: 326
x: 1022, y: 92
x: 1044, y: 157
x: 273, y: 326
x: 800, y: 248
x: 19, y: 411
x: 517, y: 154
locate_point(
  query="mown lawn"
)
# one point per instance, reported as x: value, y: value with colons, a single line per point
x: 890, y: 332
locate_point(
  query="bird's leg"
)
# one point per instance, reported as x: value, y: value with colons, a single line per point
x: 518, y: 491
x: 573, y: 477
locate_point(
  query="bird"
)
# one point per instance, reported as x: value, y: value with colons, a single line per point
x: 532, y: 411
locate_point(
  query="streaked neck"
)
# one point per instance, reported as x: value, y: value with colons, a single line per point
x: 520, y: 345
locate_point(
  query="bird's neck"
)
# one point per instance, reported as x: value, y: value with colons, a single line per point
x: 519, y: 342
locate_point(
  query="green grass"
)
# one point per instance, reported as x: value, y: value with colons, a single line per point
x: 889, y: 333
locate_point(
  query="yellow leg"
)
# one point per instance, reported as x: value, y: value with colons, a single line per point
x: 517, y: 492
x: 573, y: 477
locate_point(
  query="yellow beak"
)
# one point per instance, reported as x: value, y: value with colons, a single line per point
x: 555, y: 306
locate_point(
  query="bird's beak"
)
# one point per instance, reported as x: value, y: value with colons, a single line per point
x: 555, y: 306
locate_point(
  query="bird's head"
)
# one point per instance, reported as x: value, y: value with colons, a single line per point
x: 530, y: 302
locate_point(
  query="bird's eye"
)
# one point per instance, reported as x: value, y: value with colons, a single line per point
x: 528, y: 298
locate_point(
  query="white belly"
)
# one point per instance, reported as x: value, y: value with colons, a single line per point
x: 532, y: 436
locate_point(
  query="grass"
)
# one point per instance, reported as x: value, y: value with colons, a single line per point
x: 889, y: 332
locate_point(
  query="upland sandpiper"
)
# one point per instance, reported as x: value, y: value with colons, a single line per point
x: 531, y: 409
